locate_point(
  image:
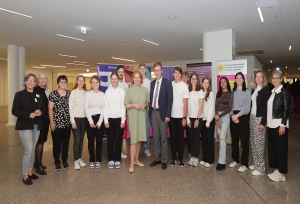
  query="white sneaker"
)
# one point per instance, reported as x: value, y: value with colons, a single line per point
x: 257, y: 173
x: 207, y: 165
x: 243, y: 169
x: 81, y: 163
x: 123, y: 156
x: 76, y: 165
x: 98, y: 165
x: 191, y: 161
x: 277, y: 177
x: 111, y: 164
x: 92, y: 165
x: 196, y: 162
x: 251, y: 167
x: 147, y: 153
x: 202, y: 163
x: 272, y: 174
x: 233, y: 164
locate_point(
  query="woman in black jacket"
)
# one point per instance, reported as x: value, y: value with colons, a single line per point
x: 258, y: 120
x: 28, y: 108
x: 278, y: 127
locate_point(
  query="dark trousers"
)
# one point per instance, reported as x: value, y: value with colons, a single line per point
x: 208, y: 142
x: 93, y: 133
x: 114, y: 139
x: 78, y: 137
x: 240, y: 131
x: 176, y: 138
x: 194, y: 135
x: 60, y: 139
x: 188, y: 139
x: 278, y: 149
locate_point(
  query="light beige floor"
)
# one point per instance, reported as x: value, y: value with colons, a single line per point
x: 145, y: 185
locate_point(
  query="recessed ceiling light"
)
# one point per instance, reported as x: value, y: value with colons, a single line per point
x: 47, y: 65
x: 277, y: 68
x: 65, y: 36
x: 172, y: 17
x: 79, y: 62
x: 271, y: 61
x: 15, y: 13
x: 269, y: 70
x: 87, y: 70
x: 286, y: 67
x: 3, y: 59
x: 123, y: 59
x: 201, y: 48
x: 39, y: 67
x: 290, y: 47
x: 260, y: 15
x: 150, y: 42
x: 67, y: 55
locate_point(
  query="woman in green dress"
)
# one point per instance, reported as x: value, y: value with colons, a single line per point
x: 136, y: 102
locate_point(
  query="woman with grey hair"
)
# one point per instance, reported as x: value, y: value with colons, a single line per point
x: 28, y: 107
x: 43, y: 90
x: 278, y: 127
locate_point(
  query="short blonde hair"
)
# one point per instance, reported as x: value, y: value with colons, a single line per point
x: 264, y: 83
x: 134, y: 73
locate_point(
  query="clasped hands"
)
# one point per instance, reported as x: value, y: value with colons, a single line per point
x: 35, y: 113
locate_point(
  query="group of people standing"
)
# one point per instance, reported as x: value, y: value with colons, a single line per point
x: 161, y: 103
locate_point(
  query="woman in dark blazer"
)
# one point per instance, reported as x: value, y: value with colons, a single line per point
x: 28, y: 108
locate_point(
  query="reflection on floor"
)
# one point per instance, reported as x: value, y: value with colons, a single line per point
x: 145, y: 185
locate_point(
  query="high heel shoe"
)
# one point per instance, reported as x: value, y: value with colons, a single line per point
x: 220, y: 167
x: 40, y: 170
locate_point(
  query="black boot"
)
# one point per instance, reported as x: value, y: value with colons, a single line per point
x: 40, y: 170
x: 35, y: 165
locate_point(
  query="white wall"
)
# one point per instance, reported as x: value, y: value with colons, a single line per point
x: 3, y: 86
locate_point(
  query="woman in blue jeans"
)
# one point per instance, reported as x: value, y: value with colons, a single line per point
x: 28, y: 108
x: 223, y: 107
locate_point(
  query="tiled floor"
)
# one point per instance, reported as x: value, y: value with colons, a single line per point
x: 145, y: 185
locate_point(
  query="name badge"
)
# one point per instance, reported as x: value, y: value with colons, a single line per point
x: 37, y: 95
x: 35, y: 99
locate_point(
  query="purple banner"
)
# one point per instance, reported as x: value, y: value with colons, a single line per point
x: 104, y: 72
x: 168, y: 72
x: 202, y: 69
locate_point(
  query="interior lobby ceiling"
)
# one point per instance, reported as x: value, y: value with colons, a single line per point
x: 117, y: 29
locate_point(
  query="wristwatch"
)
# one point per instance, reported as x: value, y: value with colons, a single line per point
x: 184, y: 117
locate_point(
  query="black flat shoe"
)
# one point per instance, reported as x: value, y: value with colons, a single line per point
x: 27, y: 181
x: 154, y: 163
x: 40, y: 170
x: 220, y: 167
x: 164, y: 166
x: 33, y: 176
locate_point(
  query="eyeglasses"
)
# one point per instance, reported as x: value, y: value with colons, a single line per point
x: 31, y: 81
x: 275, y: 78
x: 62, y: 82
x: 158, y: 70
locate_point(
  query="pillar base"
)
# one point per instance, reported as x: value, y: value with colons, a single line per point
x: 10, y: 124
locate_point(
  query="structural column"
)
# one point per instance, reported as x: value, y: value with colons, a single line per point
x: 218, y: 45
x: 22, y: 66
x: 12, y: 80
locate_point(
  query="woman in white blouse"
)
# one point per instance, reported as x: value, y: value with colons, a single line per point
x: 208, y: 124
x: 194, y: 119
x: 114, y: 120
x: 77, y: 117
x: 278, y: 127
x: 93, y: 106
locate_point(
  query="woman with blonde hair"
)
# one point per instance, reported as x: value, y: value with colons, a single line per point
x: 77, y: 117
x: 136, y: 102
x: 258, y: 119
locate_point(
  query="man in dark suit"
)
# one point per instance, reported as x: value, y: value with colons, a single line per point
x: 161, y: 99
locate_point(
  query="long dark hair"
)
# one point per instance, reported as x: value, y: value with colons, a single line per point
x: 208, y: 89
x: 220, y: 88
x: 198, y: 86
x: 244, y: 83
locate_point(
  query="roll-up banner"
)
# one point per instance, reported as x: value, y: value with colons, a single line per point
x: 202, y: 69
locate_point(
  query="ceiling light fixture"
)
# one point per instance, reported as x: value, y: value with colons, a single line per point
x: 269, y: 70
x: 271, y: 61
x: 290, y: 48
x: 123, y: 59
x: 65, y: 36
x: 277, y: 68
x: 3, y: 59
x: 150, y: 42
x: 87, y: 70
x: 260, y: 15
x: 172, y: 17
x: 79, y: 62
x: 15, y: 13
x: 88, y: 74
x: 47, y: 65
x: 286, y: 67
x: 39, y: 67
x: 67, y: 55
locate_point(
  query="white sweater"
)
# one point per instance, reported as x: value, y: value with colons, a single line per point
x: 114, y: 104
x: 76, y: 104
x: 94, y: 104
x: 208, y: 108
